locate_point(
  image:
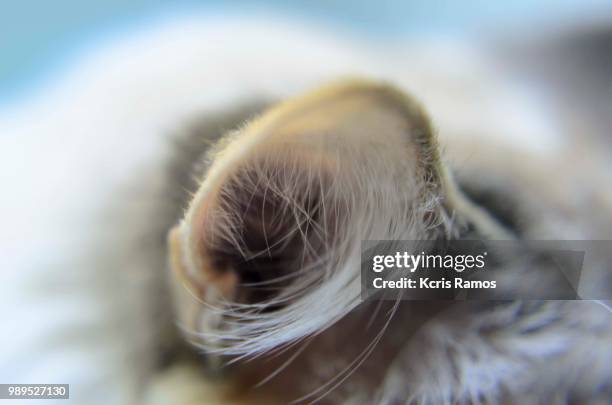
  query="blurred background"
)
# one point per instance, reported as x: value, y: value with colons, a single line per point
x: 38, y: 39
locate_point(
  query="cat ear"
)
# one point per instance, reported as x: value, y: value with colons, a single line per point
x: 191, y: 290
x: 279, y: 190
x: 279, y: 217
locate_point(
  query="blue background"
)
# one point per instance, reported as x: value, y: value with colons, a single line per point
x: 38, y: 38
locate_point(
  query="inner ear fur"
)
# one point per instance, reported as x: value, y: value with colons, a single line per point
x: 258, y: 209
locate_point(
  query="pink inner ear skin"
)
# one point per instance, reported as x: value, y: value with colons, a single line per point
x: 206, y: 275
